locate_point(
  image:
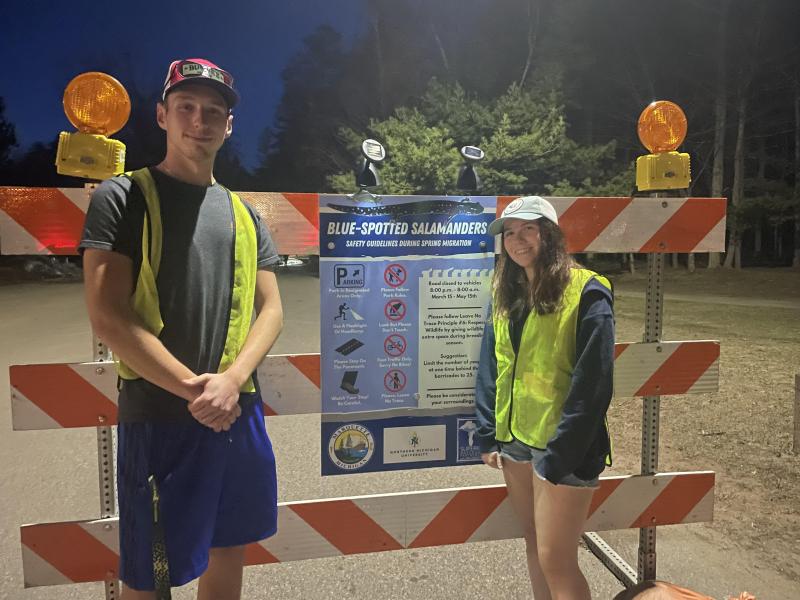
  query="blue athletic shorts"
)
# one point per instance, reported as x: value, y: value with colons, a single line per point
x: 216, y: 489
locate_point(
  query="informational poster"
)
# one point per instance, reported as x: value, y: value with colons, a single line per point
x: 404, y: 286
x: 452, y: 314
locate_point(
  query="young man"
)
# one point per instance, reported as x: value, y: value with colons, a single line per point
x: 179, y: 285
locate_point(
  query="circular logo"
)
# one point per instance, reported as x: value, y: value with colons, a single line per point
x: 513, y: 207
x: 351, y: 446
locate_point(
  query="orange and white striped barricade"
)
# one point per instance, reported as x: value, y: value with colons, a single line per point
x: 50, y: 220
x: 83, y: 395
x: 634, y: 224
x: 41, y: 220
x: 56, y: 396
x: 293, y: 219
x: 83, y: 551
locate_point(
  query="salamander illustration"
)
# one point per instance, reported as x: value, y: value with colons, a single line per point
x: 422, y: 207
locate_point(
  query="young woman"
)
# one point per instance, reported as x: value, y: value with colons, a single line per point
x: 543, y: 389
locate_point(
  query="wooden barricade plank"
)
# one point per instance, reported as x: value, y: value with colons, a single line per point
x: 84, y: 394
x: 49, y: 221
x: 293, y: 219
x: 639, y: 224
x: 41, y: 220
x: 666, y: 368
x: 83, y: 551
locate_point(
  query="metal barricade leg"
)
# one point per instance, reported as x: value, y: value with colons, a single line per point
x: 654, y: 310
x: 620, y: 569
x: 106, y: 454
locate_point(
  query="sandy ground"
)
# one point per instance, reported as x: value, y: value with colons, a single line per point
x: 52, y: 475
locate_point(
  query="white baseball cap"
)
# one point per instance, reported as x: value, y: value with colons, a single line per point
x: 527, y: 208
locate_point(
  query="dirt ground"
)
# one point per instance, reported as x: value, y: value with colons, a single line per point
x: 744, y: 432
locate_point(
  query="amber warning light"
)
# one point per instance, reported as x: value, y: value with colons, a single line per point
x: 98, y: 106
x: 662, y: 128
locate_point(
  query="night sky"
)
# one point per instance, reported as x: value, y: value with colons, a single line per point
x: 45, y: 44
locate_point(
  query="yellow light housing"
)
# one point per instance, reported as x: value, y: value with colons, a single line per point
x: 89, y: 156
x: 97, y: 105
x: 665, y: 171
x: 662, y: 126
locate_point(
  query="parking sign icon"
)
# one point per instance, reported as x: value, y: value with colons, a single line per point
x: 348, y: 275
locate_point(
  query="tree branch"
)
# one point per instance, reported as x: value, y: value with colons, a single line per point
x: 533, y: 32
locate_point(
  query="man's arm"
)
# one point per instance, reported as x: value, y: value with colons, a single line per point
x: 221, y: 390
x: 265, y: 329
x: 108, y: 285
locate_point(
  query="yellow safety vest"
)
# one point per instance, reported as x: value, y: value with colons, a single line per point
x: 533, y: 383
x: 145, y: 296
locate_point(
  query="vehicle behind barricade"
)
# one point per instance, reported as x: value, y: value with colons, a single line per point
x: 53, y: 396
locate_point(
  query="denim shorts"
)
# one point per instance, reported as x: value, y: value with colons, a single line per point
x: 519, y: 452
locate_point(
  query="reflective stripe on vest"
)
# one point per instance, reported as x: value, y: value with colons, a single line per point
x: 533, y: 384
x: 145, y: 296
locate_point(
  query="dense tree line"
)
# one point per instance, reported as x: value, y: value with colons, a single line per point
x: 550, y: 89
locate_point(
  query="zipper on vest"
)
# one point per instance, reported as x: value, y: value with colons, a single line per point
x: 513, y: 375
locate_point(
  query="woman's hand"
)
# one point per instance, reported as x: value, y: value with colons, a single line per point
x: 492, y: 459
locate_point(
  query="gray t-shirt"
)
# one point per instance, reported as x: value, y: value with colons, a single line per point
x: 194, y: 278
